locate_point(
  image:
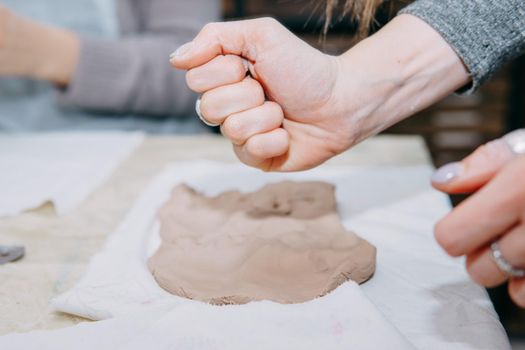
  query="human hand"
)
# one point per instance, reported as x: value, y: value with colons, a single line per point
x: 32, y: 50
x: 495, y: 213
x: 281, y: 118
x: 300, y: 107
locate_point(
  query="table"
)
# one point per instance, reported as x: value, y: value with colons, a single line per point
x: 58, y: 248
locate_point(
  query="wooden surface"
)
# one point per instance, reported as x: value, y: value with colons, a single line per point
x: 58, y: 248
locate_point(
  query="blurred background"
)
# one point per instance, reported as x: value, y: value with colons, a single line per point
x: 452, y: 129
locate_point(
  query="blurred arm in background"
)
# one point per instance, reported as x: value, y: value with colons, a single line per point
x: 129, y: 74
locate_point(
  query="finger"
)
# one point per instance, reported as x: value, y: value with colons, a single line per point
x: 517, y: 291
x: 483, y: 270
x: 235, y: 38
x: 493, y: 210
x: 219, y: 103
x: 240, y: 127
x: 222, y: 70
x: 260, y: 150
x: 475, y: 170
x: 481, y: 265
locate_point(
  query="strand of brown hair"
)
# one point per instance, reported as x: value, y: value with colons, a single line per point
x: 361, y: 11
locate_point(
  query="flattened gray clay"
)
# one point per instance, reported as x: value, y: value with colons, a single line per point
x: 283, y: 243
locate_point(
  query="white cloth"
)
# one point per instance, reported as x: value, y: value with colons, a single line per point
x: 345, y: 319
x: 417, y: 289
x: 61, y: 168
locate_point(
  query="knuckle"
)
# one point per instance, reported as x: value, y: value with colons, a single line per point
x: 269, y: 28
x: 269, y: 21
x: 495, y: 150
x: 276, y: 111
x: 240, y: 153
x: 254, y: 149
x: 191, y: 80
x: 206, y: 108
x: 233, y: 129
x: 236, y: 67
x: 256, y: 91
x: 210, y: 28
x: 446, y: 240
x: 487, y: 151
x: 475, y: 274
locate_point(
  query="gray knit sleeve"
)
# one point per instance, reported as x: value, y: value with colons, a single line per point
x: 132, y: 74
x: 484, y: 33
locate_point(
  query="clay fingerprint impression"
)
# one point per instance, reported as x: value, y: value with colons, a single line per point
x: 284, y: 242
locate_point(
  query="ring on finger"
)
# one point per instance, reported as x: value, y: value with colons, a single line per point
x: 199, y: 113
x: 503, y: 263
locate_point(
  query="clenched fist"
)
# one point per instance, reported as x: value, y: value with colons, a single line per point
x: 287, y: 106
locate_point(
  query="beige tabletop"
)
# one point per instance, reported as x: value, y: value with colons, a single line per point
x: 59, y: 248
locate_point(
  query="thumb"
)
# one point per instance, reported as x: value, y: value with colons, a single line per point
x: 474, y: 171
x: 227, y: 38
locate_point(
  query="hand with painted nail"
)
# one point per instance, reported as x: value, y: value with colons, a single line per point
x: 292, y: 107
x: 489, y: 227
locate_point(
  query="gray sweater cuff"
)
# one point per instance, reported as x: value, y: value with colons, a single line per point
x: 484, y: 33
x: 94, y: 84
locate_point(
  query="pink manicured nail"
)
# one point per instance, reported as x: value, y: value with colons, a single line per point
x: 447, y: 173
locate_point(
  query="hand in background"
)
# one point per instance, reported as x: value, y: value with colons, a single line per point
x: 496, y: 212
x: 33, y: 50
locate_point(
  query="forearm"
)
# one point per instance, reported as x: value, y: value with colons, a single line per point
x: 404, y: 68
x: 44, y: 52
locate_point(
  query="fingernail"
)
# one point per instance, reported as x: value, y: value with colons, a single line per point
x: 182, y: 51
x: 447, y: 173
x: 246, y: 64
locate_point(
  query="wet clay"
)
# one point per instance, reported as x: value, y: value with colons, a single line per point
x: 284, y: 242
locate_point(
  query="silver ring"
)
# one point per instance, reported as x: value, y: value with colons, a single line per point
x: 198, y: 110
x: 503, y: 264
x: 516, y: 141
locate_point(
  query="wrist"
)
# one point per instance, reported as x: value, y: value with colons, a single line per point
x: 59, y: 52
x: 50, y: 53
x: 404, y: 68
